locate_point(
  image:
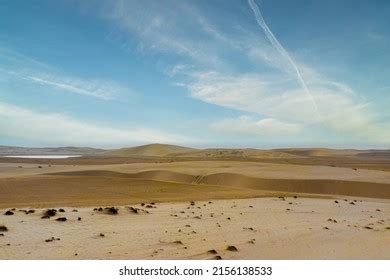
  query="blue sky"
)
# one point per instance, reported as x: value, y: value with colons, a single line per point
x: 264, y: 73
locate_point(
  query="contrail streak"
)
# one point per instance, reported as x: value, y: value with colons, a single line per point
x: 275, y: 43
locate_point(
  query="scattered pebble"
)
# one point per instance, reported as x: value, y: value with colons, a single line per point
x: 52, y: 239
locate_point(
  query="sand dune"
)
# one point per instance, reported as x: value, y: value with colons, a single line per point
x: 108, y: 187
x: 330, y: 187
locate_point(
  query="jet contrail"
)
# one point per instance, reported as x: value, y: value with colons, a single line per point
x: 275, y: 43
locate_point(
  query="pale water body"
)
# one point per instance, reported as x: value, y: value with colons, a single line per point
x: 47, y: 157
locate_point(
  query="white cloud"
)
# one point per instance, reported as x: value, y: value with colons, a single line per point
x: 245, y: 125
x: 59, y: 129
x: 337, y: 108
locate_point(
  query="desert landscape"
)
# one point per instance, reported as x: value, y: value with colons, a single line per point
x: 170, y: 202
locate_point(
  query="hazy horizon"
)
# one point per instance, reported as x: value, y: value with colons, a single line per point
x: 194, y: 147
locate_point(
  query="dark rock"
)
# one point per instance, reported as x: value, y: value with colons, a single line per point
x: 61, y: 210
x: 61, y: 219
x: 232, y: 248
x: 50, y: 212
x: 8, y: 213
x: 3, y: 228
x: 112, y: 210
x: 134, y: 210
x: 212, y: 251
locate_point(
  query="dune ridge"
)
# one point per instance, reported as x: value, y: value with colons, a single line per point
x: 319, y: 186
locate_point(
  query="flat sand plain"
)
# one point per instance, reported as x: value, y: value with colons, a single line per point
x: 260, y: 228
x: 252, y: 209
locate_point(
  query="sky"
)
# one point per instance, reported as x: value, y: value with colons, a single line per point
x: 205, y: 73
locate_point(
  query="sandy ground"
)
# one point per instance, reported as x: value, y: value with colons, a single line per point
x: 261, y: 228
x: 245, y: 211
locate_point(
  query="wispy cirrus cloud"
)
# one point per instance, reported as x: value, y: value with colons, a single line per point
x: 23, y: 68
x: 106, y: 90
x: 158, y: 27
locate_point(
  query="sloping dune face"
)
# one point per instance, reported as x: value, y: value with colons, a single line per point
x: 91, y: 187
x: 324, y: 186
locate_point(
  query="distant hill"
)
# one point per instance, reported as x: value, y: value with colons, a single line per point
x: 165, y: 150
x: 11, y: 151
x: 155, y: 150
x: 236, y: 153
